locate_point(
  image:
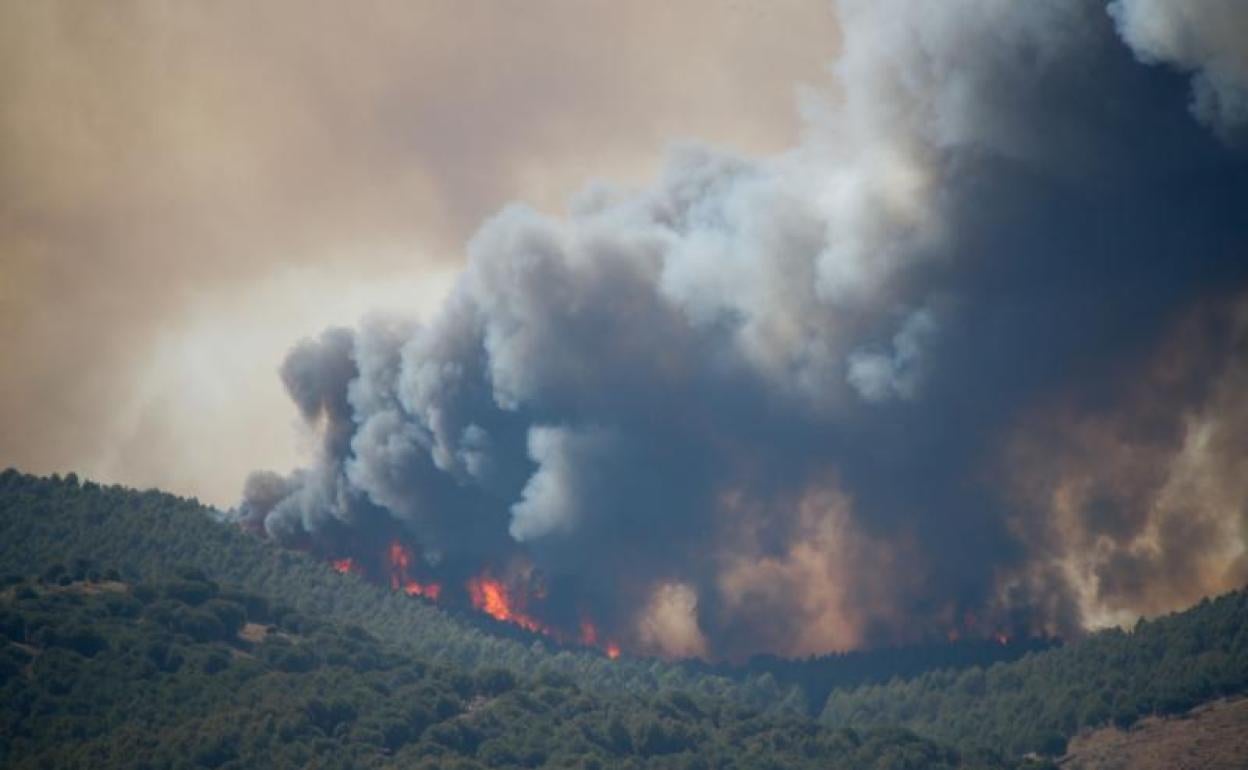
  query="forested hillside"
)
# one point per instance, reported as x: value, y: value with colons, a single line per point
x: 60, y: 532
x: 1163, y: 666
x: 184, y: 674
x: 150, y: 535
x: 818, y: 676
x: 46, y: 522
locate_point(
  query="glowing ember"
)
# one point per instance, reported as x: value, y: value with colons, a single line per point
x: 345, y: 565
x: 400, y: 558
x: 590, y: 638
x: 589, y: 634
x: 491, y: 597
x: 427, y: 590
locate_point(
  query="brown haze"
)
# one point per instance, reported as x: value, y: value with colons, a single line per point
x: 186, y: 189
x: 1141, y: 505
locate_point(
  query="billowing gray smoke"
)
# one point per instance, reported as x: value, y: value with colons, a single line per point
x: 969, y: 360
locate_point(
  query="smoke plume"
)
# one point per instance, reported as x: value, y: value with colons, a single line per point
x: 969, y: 360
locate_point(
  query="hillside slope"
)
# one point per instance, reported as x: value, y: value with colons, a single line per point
x: 181, y: 675
x: 150, y: 535
x: 1163, y: 667
x: 49, y: 521
x: 57, y: 527
x: 1213, y: 736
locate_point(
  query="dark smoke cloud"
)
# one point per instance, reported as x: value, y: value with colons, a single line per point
x: 805, y: 402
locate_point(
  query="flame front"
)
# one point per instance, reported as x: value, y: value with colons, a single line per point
x: 510, y: 603
x: 492, y: 597
x: 486, y: 593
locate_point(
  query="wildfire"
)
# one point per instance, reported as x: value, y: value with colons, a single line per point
x: 590, y: 638
x: 400, y: 559
x: 427, y: 590
x: 973, y: 628
x: 492, y: 597
x: 486, y: 593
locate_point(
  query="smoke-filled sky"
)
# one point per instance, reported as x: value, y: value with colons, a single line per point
x: 186, y: 189
x: 952, y: 340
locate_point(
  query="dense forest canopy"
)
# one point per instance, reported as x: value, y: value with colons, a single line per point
x: 1164, y: 666
x: 97, y: 673
x: 151, y: 535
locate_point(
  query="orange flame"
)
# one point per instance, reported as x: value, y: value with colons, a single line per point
x: 400, y: 559
x: 487, y: 594
x: 492, y: 597
x: 590, y: 638
x: 427, y: 590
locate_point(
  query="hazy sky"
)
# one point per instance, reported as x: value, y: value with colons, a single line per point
x: 186, y: 189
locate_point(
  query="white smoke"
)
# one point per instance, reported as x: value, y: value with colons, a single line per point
x: 894, y: 374
x: 1208, y: 38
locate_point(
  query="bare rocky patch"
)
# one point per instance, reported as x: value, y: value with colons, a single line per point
x: 1213, y: 736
